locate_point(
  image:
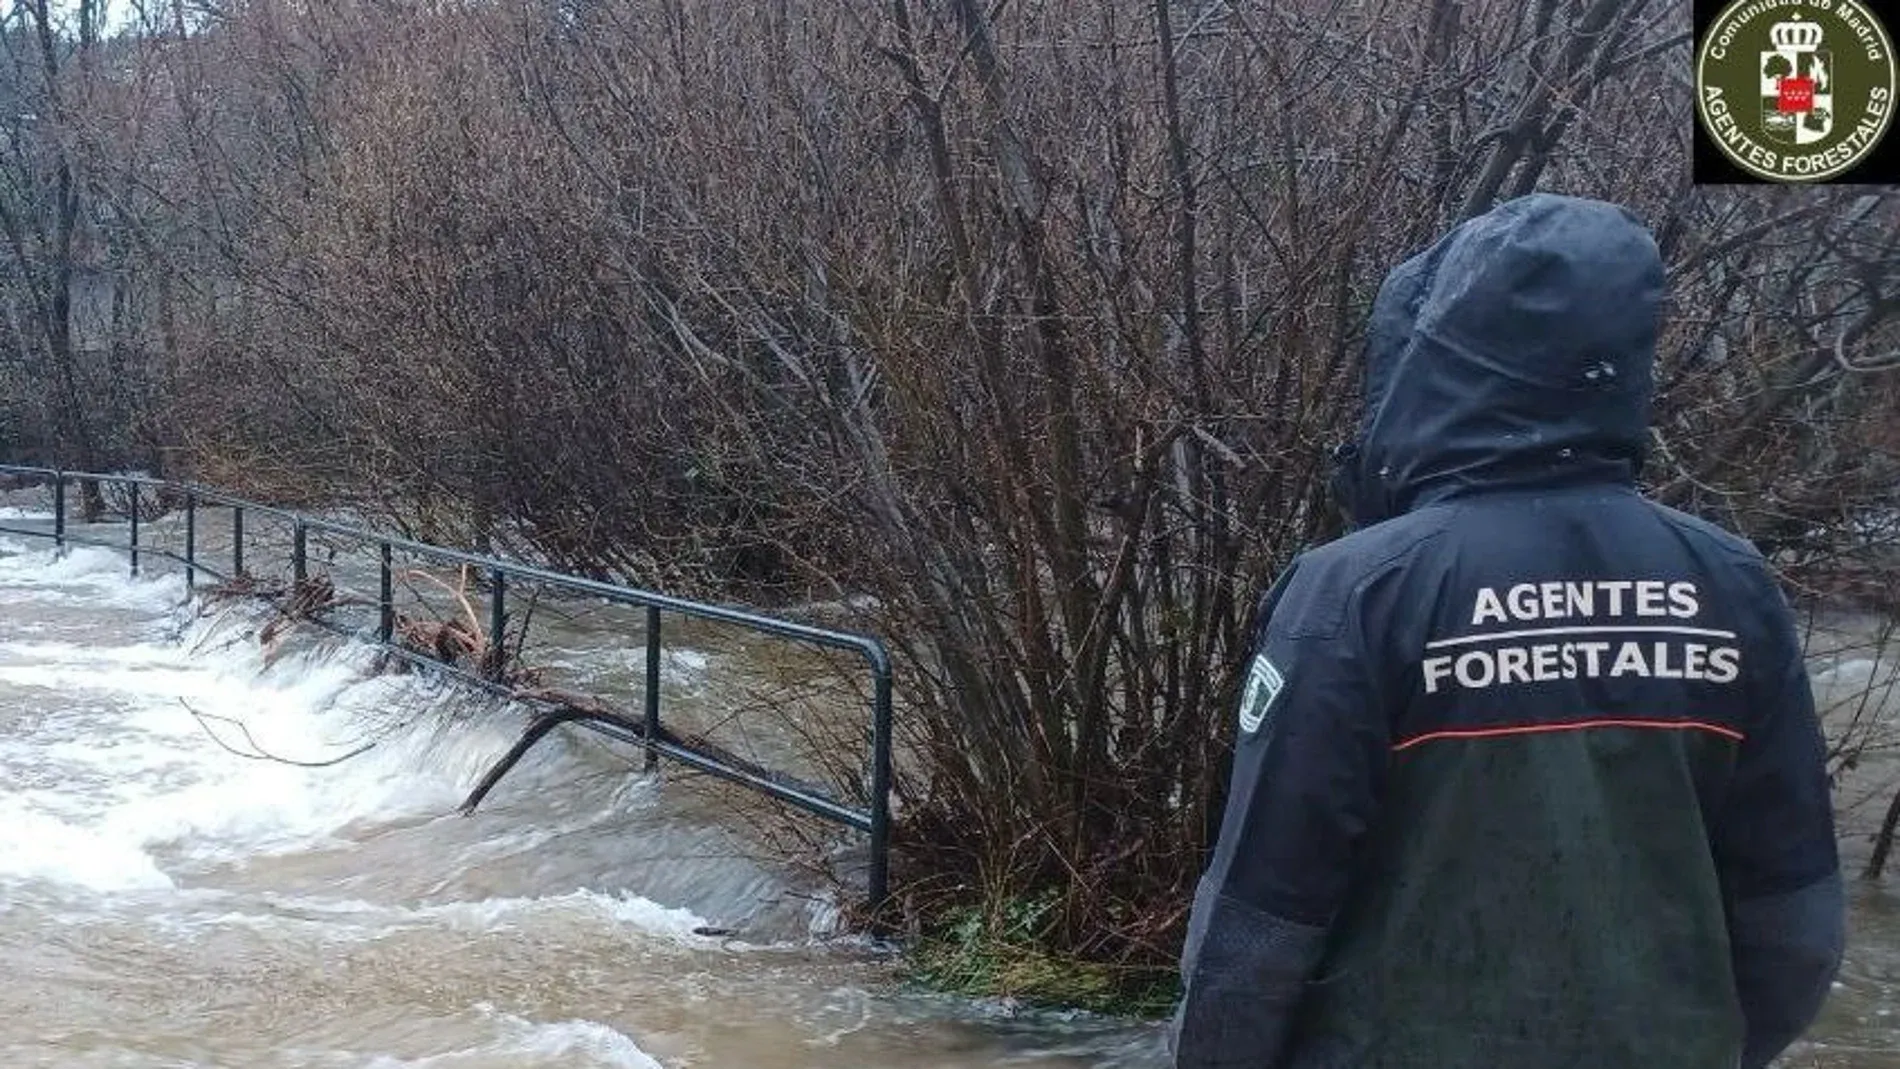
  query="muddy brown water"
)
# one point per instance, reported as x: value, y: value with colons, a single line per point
x: 167, y: 901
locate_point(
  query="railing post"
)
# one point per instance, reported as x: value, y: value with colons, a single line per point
x: 298, y: 545
x: 653, y: 686
x: 880, y: 876
x: 386, y: 627
x: 237, y: 541
x: 497, y: 619
x: 191, y: 540
x: 59, y: 510
x: 134, y: 487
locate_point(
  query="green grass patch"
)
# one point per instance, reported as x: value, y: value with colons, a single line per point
x: 1003, y: 952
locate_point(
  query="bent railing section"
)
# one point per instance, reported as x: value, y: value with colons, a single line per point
x: 650, y: 731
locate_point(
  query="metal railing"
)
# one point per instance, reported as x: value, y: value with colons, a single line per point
x: 873, y: 819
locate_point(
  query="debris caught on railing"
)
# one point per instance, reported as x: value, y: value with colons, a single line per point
x: 309, y: 598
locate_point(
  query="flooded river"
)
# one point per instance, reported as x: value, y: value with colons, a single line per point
x: 170, y: 898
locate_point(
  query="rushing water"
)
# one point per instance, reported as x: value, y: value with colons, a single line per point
x: 167, y: 901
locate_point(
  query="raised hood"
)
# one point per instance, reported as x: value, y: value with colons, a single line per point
x: 1517, y: 352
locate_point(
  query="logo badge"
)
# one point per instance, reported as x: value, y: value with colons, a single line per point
x: 1264, y: 683
x: 1795, y: 92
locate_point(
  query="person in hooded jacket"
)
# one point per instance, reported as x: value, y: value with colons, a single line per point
x: 1528, y: 773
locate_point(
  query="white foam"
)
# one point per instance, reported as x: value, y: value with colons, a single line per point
x: 497, y: 914
x: 249, y: 806
x: 15, y: 512
x: 594, y: 915
x: 35, y: 845
x: 103, y: 575
x: 121, y: 760
x: 486, y: 916
x: 824, y: 916
x: 116, y: 756
x: 524, y: 1043
x: 686, y: 660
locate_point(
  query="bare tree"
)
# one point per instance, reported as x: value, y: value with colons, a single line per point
x: 41, y: 217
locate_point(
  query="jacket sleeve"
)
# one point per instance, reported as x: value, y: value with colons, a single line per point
x: 1776, y: 852
x: 1308, y: 762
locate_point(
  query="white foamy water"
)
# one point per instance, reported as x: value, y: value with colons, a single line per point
x: 133, y: 749
x: 150, y: 749
x: 521, y: 1042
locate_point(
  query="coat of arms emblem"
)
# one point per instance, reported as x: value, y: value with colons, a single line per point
x: 1797, y: 90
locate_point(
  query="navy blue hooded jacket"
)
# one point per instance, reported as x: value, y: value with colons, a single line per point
x: 1528, y: 773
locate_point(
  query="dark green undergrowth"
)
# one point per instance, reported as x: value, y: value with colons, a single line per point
x: 1006, y: 950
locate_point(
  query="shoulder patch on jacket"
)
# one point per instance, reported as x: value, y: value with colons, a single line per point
x: 1264, y: 683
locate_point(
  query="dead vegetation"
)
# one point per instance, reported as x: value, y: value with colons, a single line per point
x: 457, y: 640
